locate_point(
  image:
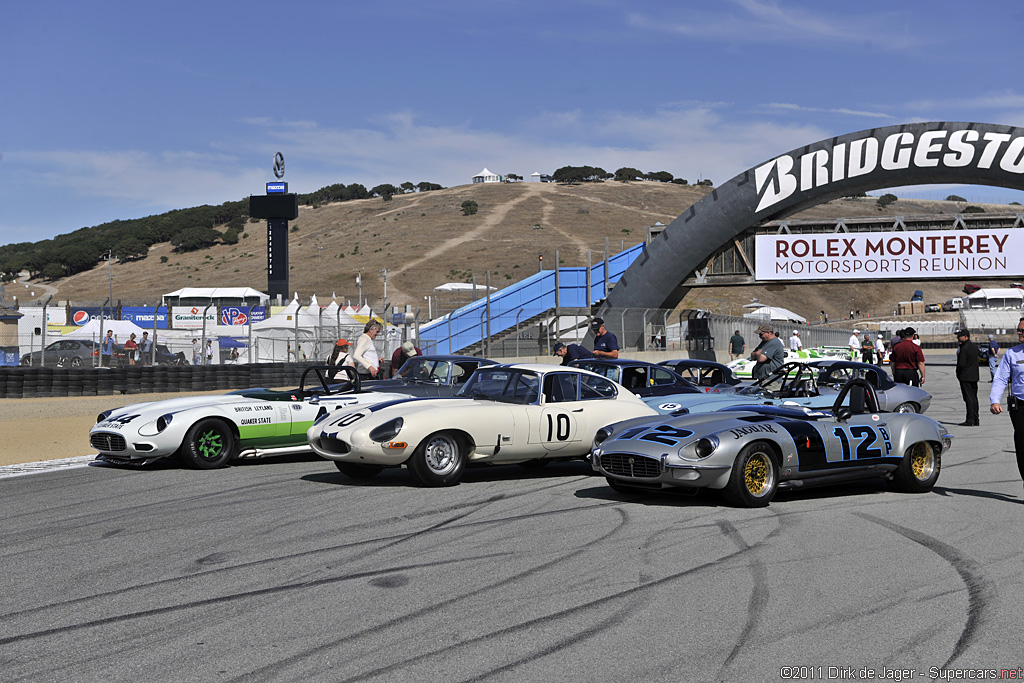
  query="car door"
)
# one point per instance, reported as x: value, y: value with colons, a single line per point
x: 560, y: 412
x: 860, y: 441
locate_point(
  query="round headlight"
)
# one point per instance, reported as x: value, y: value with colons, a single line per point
x: 163, y: 421
x: 387, y: 431
x: 602, y: 434
x: 706, y: 446
x: 103, y: 416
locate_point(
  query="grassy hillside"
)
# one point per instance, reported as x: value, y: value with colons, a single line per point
x: 424, y: 241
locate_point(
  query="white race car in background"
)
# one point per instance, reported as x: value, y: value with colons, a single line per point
x: 503, y: 414
x: 208, y: 431
x: 742, y: 367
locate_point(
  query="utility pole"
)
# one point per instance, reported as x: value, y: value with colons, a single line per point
x: 359, y: 284
x: 384, y: 276
x: 110, y: 278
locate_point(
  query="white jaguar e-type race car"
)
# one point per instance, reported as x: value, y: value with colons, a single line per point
x: 503, y: 414
x: 208, y: 431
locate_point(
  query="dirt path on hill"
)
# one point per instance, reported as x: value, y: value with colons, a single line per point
x: 493, y: 218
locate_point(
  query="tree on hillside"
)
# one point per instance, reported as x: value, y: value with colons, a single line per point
x: 407, y: 187
x: 131, y: 249
x: 627, y: 173
x: 469, y: 207
x: 886, y: 199
x: 680, y: 181
x: 512, y: 177
x: 955, y: 198
x: 384, y: 191
x: 195, y: 238
x: 427, y: 187
x: 580, y: 174
x: 660, y: 176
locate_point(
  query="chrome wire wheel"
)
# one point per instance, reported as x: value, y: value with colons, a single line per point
x: 441, y: 454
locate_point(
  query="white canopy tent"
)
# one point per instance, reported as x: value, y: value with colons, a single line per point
x: 761, y: 312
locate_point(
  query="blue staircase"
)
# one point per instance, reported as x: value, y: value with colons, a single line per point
x: 467, y: 326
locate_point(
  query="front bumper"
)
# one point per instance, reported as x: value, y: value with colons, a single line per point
x: 651, y: 472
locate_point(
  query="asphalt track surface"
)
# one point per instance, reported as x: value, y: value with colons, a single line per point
x: 285, y: 570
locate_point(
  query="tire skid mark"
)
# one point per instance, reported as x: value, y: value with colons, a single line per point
x: 273, y: 670
x: 981, y: 592
x: 601, y: 602
x: 282, y: 558
x: 758, y: 593
x: 206, y: 602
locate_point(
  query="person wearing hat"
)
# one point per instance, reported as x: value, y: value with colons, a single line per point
x: 769, y: 355
x: 340, y: 355
x: 570, y: 352
x: 907, y: 360
x: 1010, y: 374
x: 993, y: 357
x: 605, y: 343
x: 967, y: 375
x: 197, y: 354
x: 879, y: 348
x: 854, y: 345
x: 403, y: 353
x: 794, y: 342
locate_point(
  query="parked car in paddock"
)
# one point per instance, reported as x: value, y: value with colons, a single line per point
x: 433, y: 375
x: 209, y: 431
x: 742, y: 367
x: 706, y: 374
x: 503, y: 414
x: 65, y: 353
x: 750, y: 452
x: 640, y: 377
x: 799, y: 384
x: 893, y: 397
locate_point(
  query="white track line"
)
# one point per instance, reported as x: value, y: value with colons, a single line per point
x: 21, y: 469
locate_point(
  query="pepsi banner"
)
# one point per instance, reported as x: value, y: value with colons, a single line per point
x: 81, y: 316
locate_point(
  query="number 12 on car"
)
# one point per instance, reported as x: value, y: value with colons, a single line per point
x: 861, y: 442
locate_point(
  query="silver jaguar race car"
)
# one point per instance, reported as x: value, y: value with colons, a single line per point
x: 749, y: 452
x: 209, y: 431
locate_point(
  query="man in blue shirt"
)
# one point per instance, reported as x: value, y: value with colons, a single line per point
x: 605, y: 343
x: 107, y: 348
x: 570, y: 352
x: 993, y: 357
x: 1011, y: 373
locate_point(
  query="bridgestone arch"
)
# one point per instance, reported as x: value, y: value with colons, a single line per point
x: 908, y: 154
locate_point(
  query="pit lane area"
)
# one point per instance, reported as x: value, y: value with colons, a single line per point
x: 285, y: 570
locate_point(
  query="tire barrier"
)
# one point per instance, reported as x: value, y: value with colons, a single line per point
x: 32, y: 382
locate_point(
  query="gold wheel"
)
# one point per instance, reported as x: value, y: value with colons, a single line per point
x: 922, y: 461
x: 757, y: 474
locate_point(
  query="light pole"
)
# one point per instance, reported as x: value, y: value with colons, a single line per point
x: 359, y: 284
x: 384, y: 276
x: 110, y: 277
x: 319, y: 260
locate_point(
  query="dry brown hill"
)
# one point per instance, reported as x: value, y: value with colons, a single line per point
x: 424, y: 241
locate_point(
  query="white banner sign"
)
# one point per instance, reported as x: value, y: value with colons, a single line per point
x: 191, y: 317
x: 890, y: 255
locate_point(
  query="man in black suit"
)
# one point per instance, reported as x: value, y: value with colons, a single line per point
x: 967, y: 374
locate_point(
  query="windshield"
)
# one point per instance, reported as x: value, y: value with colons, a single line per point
x: 421, y: 369
x: 503, y: 384
x: 604, y: 369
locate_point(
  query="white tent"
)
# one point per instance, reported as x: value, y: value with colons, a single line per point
x: 122, y: 330
x: 997, y: 298
x: 486, y: 176
x: 219, y: 293
x: 760, y: 312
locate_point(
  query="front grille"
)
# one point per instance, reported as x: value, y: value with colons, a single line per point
x: 630, y: 465
x: 332, y: 445
x: 108, y: 443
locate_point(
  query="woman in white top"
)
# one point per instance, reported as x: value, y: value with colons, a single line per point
x: 366, y: 357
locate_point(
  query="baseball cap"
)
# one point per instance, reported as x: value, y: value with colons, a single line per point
x: 856, y: 331
x: 558, y: 347
x: 991, y: 337
x: 764, y: 328
x: 341, y: 342
x: 795, y: 332
x: 909, y: 332
x: 596, y: 323
x: 963, y: 333
x: 409, y: 348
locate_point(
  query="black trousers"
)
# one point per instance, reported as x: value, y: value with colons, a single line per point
x: 969, y: 390
x: 907, y: 377
x: 1016, y: 410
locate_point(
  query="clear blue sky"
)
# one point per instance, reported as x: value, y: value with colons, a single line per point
x: 125, y: 109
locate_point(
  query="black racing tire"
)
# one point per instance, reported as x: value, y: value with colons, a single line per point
x: 754, y: 478
x: 619, y: 487
x: 209, y: 444
x: 907, y: 407
x: 438, y: 460
x: 356, y: 470
x: 918, y: 470
x: 535, y: 464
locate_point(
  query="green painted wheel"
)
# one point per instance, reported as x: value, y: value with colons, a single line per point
x: 209, y: 444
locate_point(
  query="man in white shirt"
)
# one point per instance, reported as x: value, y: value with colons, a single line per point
x: 879, y: 349
x: 854, y: 345
x: 794, y: 342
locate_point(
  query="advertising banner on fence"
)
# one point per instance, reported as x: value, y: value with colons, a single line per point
x: 890, y: 255
x: 191, y: 317
x: 241, y: 315
x: 143, y: 317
